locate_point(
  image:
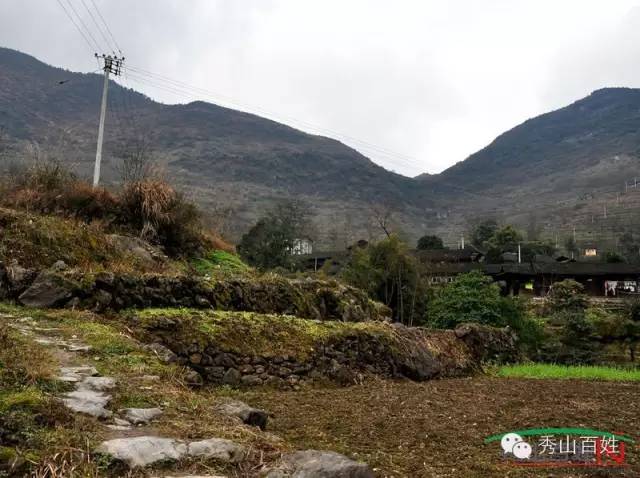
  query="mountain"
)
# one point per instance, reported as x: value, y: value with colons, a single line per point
x: 592, y: 144
x: 563, y: 169
x: 235, y: 164
x: 557, y: 171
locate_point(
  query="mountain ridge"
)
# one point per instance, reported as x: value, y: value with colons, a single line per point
x: 236, y: 164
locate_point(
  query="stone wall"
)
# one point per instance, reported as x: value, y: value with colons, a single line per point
x: 344, y: 356
x: 313, y: 299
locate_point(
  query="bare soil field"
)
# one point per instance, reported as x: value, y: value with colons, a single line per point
x: 437, y: 428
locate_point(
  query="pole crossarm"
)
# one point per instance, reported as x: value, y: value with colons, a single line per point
x: 112, y: 64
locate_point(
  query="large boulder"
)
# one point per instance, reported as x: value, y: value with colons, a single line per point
x: 140, y: 250
x: 50, y: 289
x: 18, y: 278
x: 320, y: 464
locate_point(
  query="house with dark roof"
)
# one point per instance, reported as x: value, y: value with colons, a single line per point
x: 537, y: 277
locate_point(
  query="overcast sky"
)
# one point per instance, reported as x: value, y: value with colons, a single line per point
x: 415, y: 85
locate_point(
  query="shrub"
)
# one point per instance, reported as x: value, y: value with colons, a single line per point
x: 576, y: 341
x: 474, y: 297
x: 87, y: 203
x: 621, y: 328
x: 269, y: 243
x: 567, y: 295
x: 471, y: 297
x: 160, y: 214
x: 390, y: 274
x: 430, y: 242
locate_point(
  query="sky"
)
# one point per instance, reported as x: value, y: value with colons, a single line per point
x: 414, y: 85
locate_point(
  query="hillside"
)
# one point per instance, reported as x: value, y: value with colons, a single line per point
x: 553, y: 172
x: 591, y: 144
x: 226, y: 159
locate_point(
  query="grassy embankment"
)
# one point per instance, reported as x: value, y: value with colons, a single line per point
x: 579, y: 372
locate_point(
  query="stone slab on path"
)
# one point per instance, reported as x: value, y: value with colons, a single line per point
x: 218, y: 449
x: 320, y: 464
x: 140, y: 416
x: 145, y: 450
x: 89, y: 402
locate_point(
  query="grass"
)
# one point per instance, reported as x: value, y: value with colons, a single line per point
x: 250, y: 333
x: 580, y: 372
x: 219, y: 261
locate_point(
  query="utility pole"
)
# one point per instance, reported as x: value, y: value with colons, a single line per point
x: 112, y: 64
x: 462, y: 241
x: 519, y: 254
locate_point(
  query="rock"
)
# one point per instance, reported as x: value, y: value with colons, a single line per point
x: 73, y: 304
x: 232, y: 377
x: 59, y: 266
x: 120, y: 424
x: 139, y: 416
x: 134, y: 246
x: 249, y: 415
x: 98, y: 384
x: 18, y: 277
x: 163, y: 353
x: 193, y: 378
x: 195, y: 476
x: 48, y: 290
x: 218, y: 449
x: 88, y: 401
x: 143, y: 451
x: 320, y: 464
x: 105, y: 279
x: 251, y: 380
x: 102, y: 299
x: 76, y: 374
x: 76, y: 347
x: 119, y: 428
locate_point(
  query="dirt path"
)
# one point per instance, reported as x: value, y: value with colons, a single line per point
x: 437, y: 428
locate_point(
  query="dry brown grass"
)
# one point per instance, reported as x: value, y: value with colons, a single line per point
x: 21, y: 361
x: 149, y: 201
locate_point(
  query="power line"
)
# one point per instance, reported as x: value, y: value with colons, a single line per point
x: 86, y: 39
x: 104, y: 37
x: 106, y: 25
x: 97, y: 45
x: 181, y: 87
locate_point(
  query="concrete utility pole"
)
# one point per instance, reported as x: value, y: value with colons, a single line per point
x: 112, y: 64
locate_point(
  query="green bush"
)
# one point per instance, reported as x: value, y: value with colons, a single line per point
x: 474, y: 297
x: 574, y: 339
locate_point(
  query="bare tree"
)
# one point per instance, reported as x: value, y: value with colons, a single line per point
x: 382, y: 214
x: 137, y: 161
